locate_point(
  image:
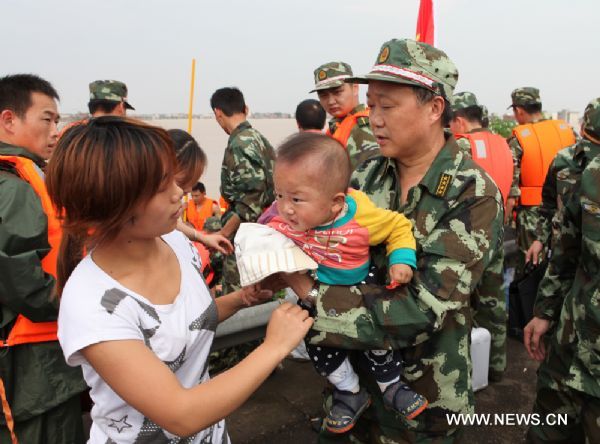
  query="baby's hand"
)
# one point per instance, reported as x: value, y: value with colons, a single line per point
x: 254, y: 294
x: 401, y: 273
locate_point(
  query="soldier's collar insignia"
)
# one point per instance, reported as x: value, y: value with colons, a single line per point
x: 322, y: 75
x: 442, y: 185
x: 384, y: 54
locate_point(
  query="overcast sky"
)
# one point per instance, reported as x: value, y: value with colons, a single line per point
x: 269, y: 48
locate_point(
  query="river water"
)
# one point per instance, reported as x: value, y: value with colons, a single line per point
x: 213, y: 141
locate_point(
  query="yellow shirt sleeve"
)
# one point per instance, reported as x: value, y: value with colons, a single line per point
x: 387, y: 226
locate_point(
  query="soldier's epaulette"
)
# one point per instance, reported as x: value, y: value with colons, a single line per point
x: 362, y: 121
x: 443, y: 184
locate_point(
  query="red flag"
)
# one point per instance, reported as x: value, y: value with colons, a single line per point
x: 425, y: 26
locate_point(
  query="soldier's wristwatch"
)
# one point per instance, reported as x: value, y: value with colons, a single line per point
x: 308, y: 302
x: 313, y: 292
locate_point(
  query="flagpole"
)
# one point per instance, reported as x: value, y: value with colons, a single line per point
x: 191, y: 96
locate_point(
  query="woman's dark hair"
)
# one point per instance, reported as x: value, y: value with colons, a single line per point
x: 98, y: 174
x: 190, y: 157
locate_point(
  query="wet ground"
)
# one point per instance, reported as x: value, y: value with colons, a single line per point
x: 280, y: 411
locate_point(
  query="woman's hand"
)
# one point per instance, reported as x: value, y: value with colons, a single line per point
x: 287, y: 327
x: 215, y: 241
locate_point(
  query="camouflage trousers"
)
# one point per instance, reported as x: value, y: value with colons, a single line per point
x: 526, y: 223
x: 231, y: 275
x: 554, y: 398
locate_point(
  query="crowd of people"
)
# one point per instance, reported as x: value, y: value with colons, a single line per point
x: 398, y: 206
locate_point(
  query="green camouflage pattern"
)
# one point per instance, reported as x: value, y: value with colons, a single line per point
x: 246, y: 184
x: 212, y: 224
x: 526, y: 223
x: 361, y: 144
x: 525, y: 96
x: 463, y: 100
x: 517, y: 154
x: 542, y: 230
x: 591, y: 119
x: 465, y: 146
x: 331, y: 75
x: 414, y: 63
x: 112, y: 90
x: 467, y: 99
x: 553, y: 397
x: 569, y: 377
x: 456, y: 212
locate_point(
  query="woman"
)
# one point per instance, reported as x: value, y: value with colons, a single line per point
x: 135, y: 313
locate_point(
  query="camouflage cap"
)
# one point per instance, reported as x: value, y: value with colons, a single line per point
x: 212, y: 224
x: 112, y: 90
x: 467, y: 99
x: 591, y: 120
x: 331, y: 75
x: 525, y: 96
x: 415, y: 63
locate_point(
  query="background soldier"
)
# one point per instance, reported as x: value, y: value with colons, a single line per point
x: 246, y: 173
x: 107, y: 98
x: 350, y: 121
x: 491, y: 152
x: 310, y: 116
x: 531, y: 161
x: 569, y: 376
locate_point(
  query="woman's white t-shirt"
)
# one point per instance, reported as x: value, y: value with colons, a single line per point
x: 96, y: 308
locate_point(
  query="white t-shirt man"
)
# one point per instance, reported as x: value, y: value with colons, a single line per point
x: 96, y: 308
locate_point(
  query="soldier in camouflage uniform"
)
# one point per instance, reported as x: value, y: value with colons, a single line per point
x: 213, y: 225
x: 463, y: 101
x: 527, y: 107
x: 569, y: 376
x: 340, y: 100
x: 469, y: 116
x: 246, y: 173
x: 107, y: 98
x: 456, y: 211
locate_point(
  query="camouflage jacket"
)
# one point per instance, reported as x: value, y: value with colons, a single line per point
x: 569, y: 291
x: 361, y: 143
x: 247, y: 174
x: 464, y: 143
x: 542, y: 230
x: 456, y: 211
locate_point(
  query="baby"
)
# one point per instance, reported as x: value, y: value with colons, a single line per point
x: 336, y: 226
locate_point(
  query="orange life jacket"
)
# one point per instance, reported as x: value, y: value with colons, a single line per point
x: 491, y: 152
x: 207, y: 270
x: 25, y: 331
x: 223, y: 204
x: 540, y: 142
x: 197, y: 215
x: 342, y: 132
